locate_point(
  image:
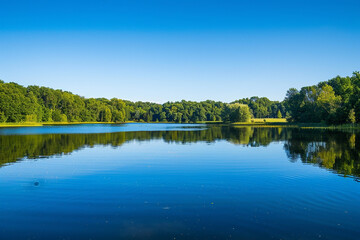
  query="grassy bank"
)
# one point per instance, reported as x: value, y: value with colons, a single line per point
x: 34, y: 124
x: 282, y: 122
x: 258, y: 122
x: 21, y: 124
x: 263, y: 121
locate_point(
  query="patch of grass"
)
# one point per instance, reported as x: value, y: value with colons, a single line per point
x: 21, y: 124
x: 39, y: 124
x: 276, y: 122
x: 263, y: 121
x: 209, y: 122
x: 325, y: 126
x: 270, y: 120
x: 72, y: 123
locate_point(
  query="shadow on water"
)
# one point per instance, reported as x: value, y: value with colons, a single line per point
x: 331, y: 149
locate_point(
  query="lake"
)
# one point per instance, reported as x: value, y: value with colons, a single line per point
x: 178, y: 181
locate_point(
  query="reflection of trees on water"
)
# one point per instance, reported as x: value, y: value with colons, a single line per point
x: 333, y: 150
x: 14, y: 147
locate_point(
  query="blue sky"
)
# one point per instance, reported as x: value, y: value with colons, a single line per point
x: 172, y: 50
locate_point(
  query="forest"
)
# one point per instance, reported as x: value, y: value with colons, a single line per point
x: 336, y: 101
x: 42, y: 104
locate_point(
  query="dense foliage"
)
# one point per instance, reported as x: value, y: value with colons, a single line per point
x: 236, y: 112
x: 336, y: 101
x: 42, y: 104
x: 263, y: 107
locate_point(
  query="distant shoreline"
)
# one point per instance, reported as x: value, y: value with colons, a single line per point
x: 255, y: 121
x: 264, y: 122
x: 41, y: 124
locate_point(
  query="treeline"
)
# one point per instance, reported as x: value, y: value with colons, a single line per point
x: 42, y: 104
x: 263, y: 107
x: 336, y: 101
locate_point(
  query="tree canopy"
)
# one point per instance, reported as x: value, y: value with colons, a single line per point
x: 335, y: 101
x: 331, y: 101
x: 42, y: 104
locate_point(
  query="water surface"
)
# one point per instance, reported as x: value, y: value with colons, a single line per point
x: 168, y: 181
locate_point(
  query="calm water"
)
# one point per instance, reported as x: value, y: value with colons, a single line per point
x: 169, y: 181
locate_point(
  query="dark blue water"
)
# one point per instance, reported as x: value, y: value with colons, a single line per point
x: 162, y: 182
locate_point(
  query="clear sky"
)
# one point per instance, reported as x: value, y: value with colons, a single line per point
x: 178, y: 49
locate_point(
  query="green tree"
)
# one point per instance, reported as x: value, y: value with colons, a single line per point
x: 328, y: 103
x: 63, y: 118
x: 352, y: 118
x: 236, y: 112
x: 31, y: 118
x: 56, y: 115
x: 162, y: 116
x: 105, y: 115
x: 2, y: 117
